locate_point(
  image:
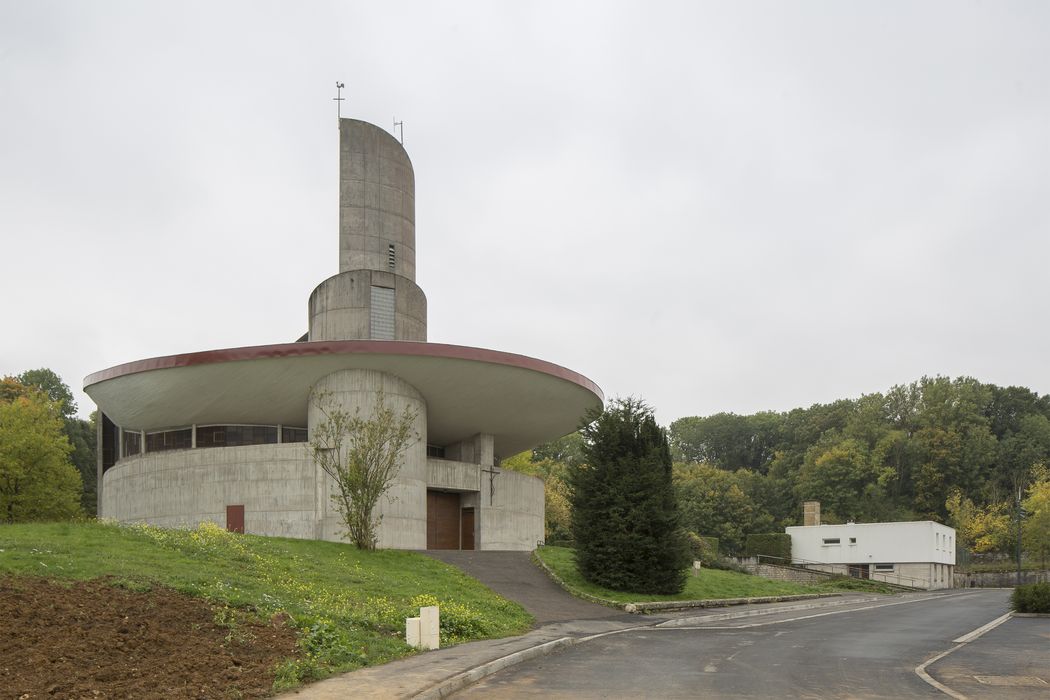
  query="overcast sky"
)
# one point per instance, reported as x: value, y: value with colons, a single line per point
x: 734, y: 206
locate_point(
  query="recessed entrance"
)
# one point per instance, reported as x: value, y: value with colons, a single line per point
x: 448, y: 525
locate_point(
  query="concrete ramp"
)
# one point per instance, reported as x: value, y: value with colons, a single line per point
x: 515, y: 577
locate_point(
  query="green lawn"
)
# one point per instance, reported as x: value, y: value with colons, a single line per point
x: 349, y: 606
x: 710, y: 584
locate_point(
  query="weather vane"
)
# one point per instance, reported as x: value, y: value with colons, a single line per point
x: 338, y: 98
x: 402, y: 125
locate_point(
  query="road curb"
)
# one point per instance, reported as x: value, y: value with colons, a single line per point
x: 462, y: 680
x: 664, y: 605
x: 740, y: 614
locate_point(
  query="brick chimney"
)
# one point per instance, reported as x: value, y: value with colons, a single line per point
x: 811, y: 513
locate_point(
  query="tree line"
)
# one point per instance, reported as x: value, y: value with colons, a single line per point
x: 956, y: 451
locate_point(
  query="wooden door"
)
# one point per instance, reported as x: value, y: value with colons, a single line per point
x: 235, y: 519
x: 466, y: 528
x: 442, y: 520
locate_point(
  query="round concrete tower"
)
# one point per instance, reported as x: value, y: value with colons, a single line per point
x: 375, y: 295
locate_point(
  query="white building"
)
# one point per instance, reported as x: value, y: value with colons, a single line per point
x: 919, y: 554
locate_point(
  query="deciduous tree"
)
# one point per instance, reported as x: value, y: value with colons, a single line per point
x: 81, y: 433
x: 37, y: 482
x: 363, y: 456
x: 1036, y: 527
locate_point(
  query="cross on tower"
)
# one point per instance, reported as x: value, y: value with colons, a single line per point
x: 338, y: 99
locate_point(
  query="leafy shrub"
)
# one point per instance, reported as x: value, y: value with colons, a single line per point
x: 1031, y: 598
x: 770, y: 544
x: 703, y: 548
x: 726, y: 564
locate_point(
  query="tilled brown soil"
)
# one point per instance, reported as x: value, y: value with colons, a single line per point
x: 93, y: 639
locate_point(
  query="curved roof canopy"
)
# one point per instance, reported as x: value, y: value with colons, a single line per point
x: 520, y: 400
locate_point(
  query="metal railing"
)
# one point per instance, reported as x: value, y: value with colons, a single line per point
x: 894, y: 579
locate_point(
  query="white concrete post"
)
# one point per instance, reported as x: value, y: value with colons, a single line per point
x: 429, y: 627
x: 412, y: 632
x: 424, y: 632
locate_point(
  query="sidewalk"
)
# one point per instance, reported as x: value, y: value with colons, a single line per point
x: 437, y: 674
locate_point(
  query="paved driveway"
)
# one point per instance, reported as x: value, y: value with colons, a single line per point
x: 514, y: 576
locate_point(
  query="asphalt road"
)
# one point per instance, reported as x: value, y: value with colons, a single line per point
x: 870, y: 651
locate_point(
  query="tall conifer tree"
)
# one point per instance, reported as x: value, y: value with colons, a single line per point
x: 625, y: 516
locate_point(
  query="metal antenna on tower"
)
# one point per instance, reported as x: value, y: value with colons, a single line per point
x: 402, y: 125
x: 338, y: 99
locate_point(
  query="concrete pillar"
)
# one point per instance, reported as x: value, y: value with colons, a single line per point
x: 100, y: 420
x: 404, y: 506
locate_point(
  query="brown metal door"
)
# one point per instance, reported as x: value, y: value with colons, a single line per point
x: 442, y: 520
x: 858, y: 570
x: 235, y: 519
x: 466, y: 528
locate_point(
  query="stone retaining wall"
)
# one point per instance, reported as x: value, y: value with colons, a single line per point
x: 999, y: 579
x: 782, y: 573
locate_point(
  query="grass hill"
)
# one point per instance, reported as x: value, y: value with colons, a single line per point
x: 347, y: 607
x: 709, y: 584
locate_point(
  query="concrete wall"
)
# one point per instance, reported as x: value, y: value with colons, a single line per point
x: 511, y: 511
x: 449, y: 475
x: 285, y: 494
x: 376, y: 200
x: 931, y: 575
x: 404, y: 506
x: 876, y: 543
x: 182, y: 488
x: 478, y: 448
x: 340, y: 307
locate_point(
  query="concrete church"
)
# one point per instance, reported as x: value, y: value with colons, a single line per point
x: 221, y: 435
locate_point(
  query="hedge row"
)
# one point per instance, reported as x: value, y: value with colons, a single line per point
x: 771, y: 544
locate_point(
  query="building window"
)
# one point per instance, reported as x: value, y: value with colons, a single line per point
x: 132, y: 444
x: 390, y: 257
x: 853, y: 540
x: 169, y: 440
x: 884, y: 567
x: 235, y: 435
x: 831, y: 540
x: 435, y: 451
x: 382, y: 314
x: 293, y: 434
